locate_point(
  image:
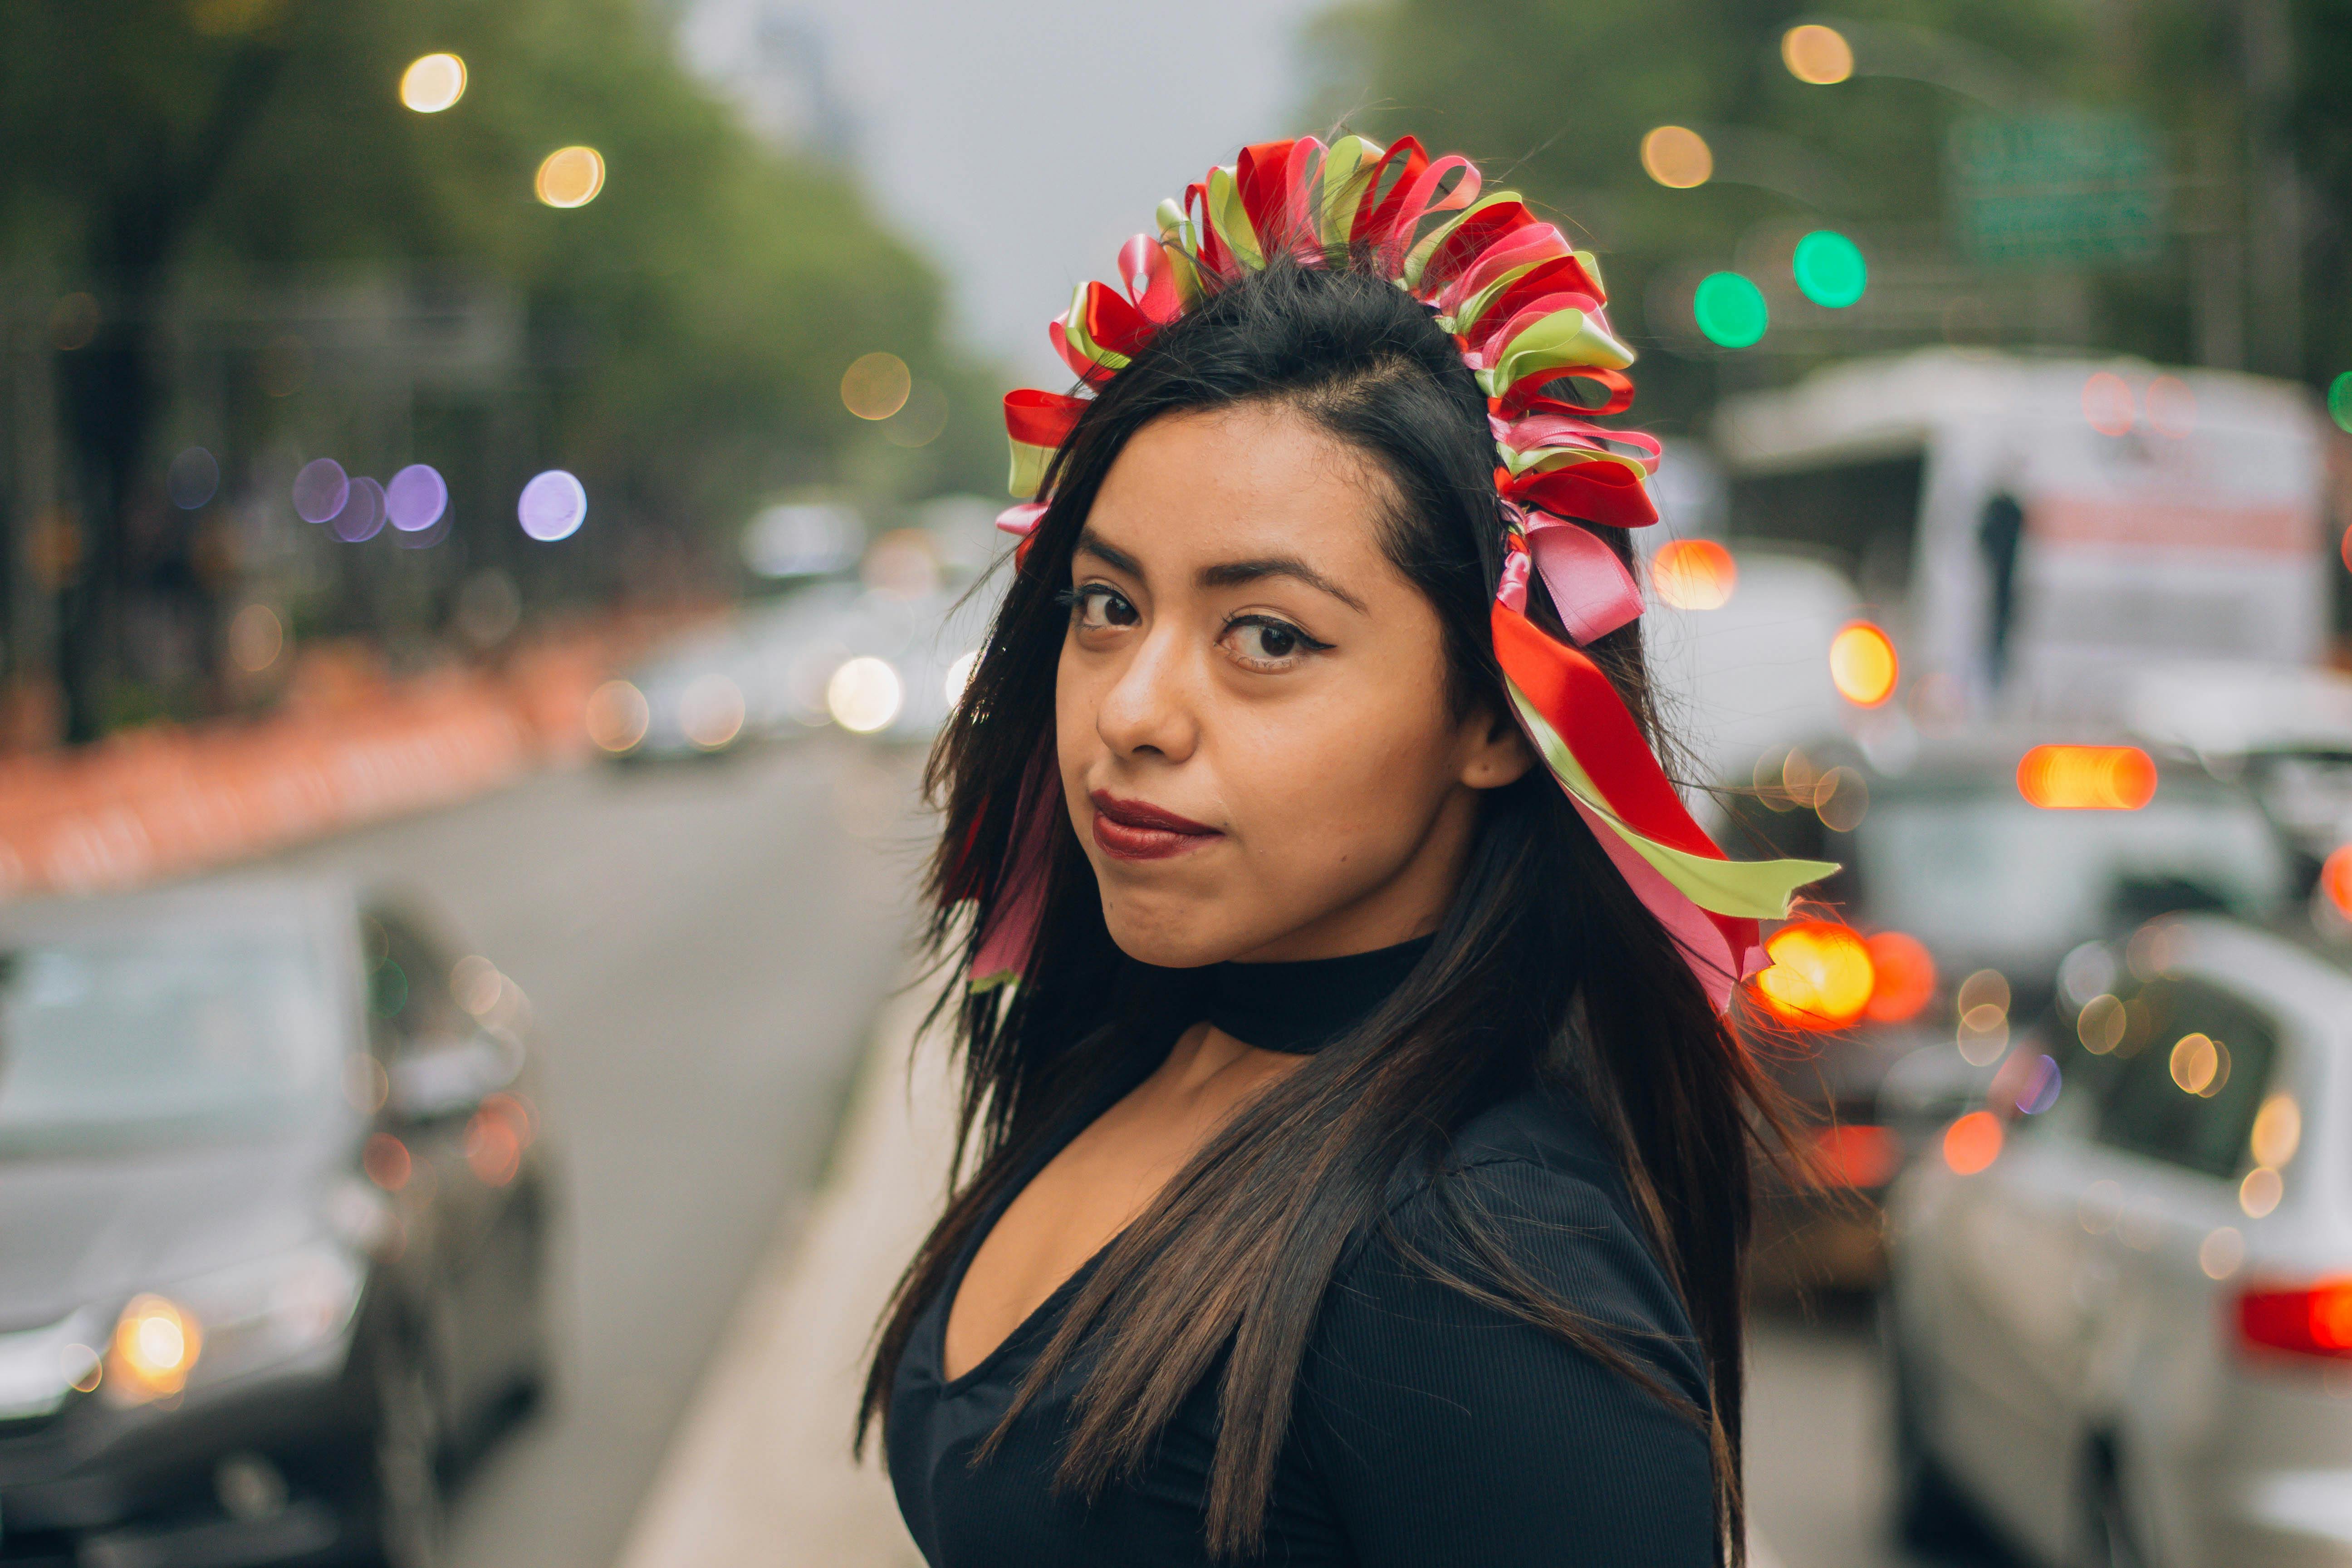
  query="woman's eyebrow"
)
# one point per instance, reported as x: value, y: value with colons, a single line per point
x: 1233, y: 574
x: 1117, y: 560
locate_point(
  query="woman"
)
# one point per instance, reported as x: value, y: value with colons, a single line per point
x: 1360, y: 1158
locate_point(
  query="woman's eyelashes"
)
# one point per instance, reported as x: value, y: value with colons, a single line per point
x: 1264, y: 642
x: 1098, y: 607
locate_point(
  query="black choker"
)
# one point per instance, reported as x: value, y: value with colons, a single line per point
x: 1298, y: 1008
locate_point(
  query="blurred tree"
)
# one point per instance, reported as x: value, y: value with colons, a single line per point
x: 1556, y: 97
x: 686, y: 330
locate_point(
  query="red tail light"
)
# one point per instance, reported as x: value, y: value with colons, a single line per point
x: 2314, y: 1320
x: 1856, y: 1156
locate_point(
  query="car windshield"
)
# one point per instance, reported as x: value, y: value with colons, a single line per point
x: 154, y: 1034
x: 1972, y: 869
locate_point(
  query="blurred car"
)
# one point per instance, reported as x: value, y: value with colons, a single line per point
x: 2120, y: 1312
x: 1959, y: 899
x: 277, y: 1223
x: 886, y: 656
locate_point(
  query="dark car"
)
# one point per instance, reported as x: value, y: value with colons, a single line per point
x: 1968, y: 895
x: 273, y: 1223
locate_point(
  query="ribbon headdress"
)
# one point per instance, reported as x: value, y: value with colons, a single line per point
x: 1527, y: 309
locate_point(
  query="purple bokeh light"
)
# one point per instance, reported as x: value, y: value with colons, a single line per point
x: 553, y: 506
x: 424, y: 538
x: 321, y: 490
x: 415, y: 499
x: 362, y: 518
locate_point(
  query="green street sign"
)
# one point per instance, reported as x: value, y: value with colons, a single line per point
x: 2072, y: 187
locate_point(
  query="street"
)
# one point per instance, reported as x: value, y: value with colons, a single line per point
x: 704, y: 947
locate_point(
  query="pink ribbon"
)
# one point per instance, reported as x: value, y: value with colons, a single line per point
x: 1590, y: 587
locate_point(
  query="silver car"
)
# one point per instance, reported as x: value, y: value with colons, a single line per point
x: 2120, y: 1308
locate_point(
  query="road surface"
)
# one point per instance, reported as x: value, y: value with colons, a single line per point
x: 704, y: 946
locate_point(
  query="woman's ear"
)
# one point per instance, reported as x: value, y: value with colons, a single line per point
x: 1496, y: 753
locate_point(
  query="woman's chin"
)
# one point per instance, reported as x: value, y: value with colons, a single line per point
x: 1172, y: 934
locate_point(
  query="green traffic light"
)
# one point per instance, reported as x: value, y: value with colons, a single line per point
x: 1830, y: 269
x: 1730, y: 309
x: 2339, y: 401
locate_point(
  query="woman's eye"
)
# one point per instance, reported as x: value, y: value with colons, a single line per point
x: 1260, y: 640
x: 1098, y: 608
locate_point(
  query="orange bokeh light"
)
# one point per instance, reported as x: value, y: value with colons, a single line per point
x: 1905, y: 977
x: 2086, y: 778
x: 1973, y: 1143
x: 1694, y: 573
x: 1820, y: 976
x: 386, y: 1159
x: 1862, y: 664
x: 1855, y: 1156
x: 2336, y: 879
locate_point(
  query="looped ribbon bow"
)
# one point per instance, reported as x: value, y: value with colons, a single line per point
x: 1530, y: 317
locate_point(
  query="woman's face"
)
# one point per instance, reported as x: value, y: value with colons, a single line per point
x: 1251, y: 708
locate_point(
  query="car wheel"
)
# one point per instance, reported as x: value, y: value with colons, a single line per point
x: 407, y: 1508
x: 1929, y: 1509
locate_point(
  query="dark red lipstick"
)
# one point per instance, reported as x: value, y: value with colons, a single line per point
x: 1138, y: 830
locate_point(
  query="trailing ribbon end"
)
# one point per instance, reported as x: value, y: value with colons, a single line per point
x: 1016, y: 912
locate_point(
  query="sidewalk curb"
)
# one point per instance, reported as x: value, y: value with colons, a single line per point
x: 760, y: 1470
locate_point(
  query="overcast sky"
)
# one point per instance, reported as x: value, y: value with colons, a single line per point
x: 1021, y: 141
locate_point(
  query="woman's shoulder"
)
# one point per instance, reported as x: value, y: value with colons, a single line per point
x: 1530, y: 1187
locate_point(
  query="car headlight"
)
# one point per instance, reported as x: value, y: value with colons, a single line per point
x: 236, y: 1321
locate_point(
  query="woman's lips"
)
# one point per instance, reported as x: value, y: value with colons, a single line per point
x: 1138, y: 830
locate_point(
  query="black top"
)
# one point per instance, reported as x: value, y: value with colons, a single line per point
x: 1428, y: 1430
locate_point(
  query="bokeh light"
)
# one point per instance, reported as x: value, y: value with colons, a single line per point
x: 193, y: 479
x: 2278, y: 1131
x: 156, y: 1342
x: 255, y: 638
x: 2101, y: 1023
x: 1902, y: 977
x: 1820, y: 976
x: 2339, y: 401
x: 711, y: 711
x: 1856, y: 1155
x: 2220, y: 1252
x: 2259, y: 1192
x: 2086, y: 778
x: 2109, y: 404
x: 416, y: 497
x: 958, y: 674
x: 2040, y: 1090
x: 2172, y: 407
x: 1841, y: 799
x: 875, y: 385
x: 1828, y: 269
x: 1694, y: 573
x: 321, y: 490
x: 1677, y: 157
x: 2199, y: 1065
x: 864, y: 695
x: 616, y: 717
x: 2335, y: 878
x: 571, y: 176
x: 553, y: 506
x: 362, y: 518
x: 921, y: 421
x: 1973, y: 1143
x: 387, y: 1160
x: 1816, y: 55
x: 432, y: 82
x: 1863, y: 666
x: 1729, y: 311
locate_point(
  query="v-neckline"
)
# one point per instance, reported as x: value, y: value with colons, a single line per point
x: 1125, y: 1085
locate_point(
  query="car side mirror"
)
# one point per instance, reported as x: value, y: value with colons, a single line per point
x: 449, y: 1076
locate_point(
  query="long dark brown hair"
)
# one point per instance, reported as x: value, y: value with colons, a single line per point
x: 1546, y: 968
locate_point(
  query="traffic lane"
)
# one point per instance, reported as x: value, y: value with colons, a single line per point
x: 1821, y: 1449
x: 704, y: 946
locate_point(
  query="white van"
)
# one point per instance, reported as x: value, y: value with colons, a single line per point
x: 2035, y: 531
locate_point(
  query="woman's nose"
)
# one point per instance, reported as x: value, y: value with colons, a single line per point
x: 1150, y: 708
